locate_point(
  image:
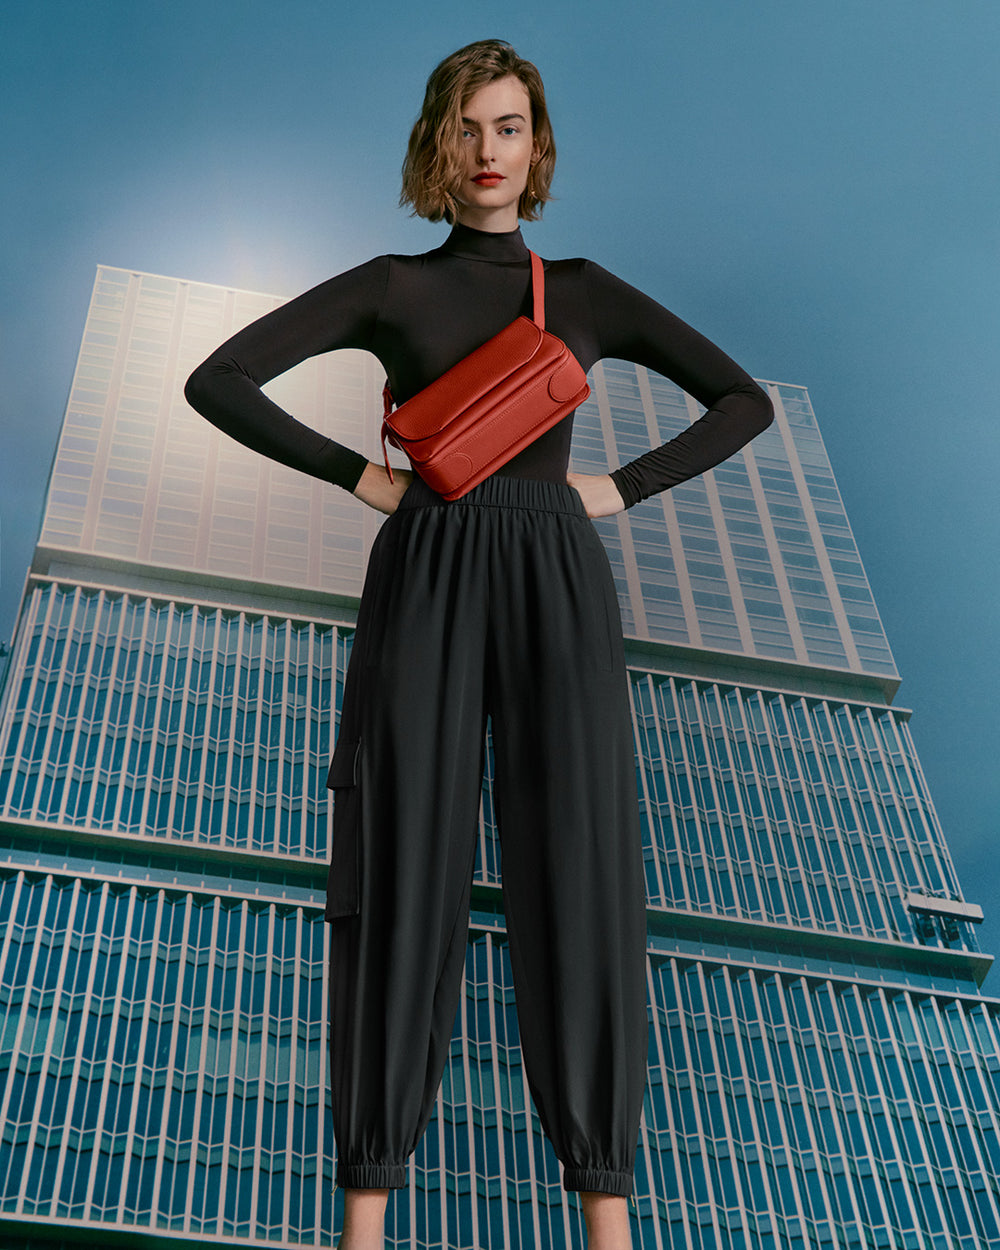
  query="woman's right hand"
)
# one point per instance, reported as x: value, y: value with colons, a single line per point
x: 375, y: 489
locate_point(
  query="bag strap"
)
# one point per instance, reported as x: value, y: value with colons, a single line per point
x: 537, y: 316
x: 387, y: 402
x: 538, y: 290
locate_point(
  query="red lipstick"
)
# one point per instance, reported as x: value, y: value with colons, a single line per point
x: 488, y: 180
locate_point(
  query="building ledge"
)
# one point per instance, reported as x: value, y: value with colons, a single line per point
x: 824, y: 948
x: 791, y: 948
x: 168, y: 584
x: 175, y: 864
x: 186, y: 853
x: 59, y: 1230
x: 761, y: 672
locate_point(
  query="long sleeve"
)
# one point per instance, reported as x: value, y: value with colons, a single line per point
x: 225, y: 388
x: 631, y: 326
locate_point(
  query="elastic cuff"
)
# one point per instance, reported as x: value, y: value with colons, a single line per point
x: 597, y: 1181
x: 371, y: 1175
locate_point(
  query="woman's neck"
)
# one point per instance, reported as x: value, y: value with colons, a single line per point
x: 489, y: 220
x: 467, y: 241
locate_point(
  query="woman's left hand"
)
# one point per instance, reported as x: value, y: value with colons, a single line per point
x: 599, y: 493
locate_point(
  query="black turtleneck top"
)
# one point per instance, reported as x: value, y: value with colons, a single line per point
x: 421, y: 314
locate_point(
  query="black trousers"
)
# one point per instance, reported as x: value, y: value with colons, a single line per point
x: 501, y: 603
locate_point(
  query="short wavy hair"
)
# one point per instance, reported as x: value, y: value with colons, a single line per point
x: 433, y: 166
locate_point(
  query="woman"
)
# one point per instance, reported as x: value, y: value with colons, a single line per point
x: 500, y: 603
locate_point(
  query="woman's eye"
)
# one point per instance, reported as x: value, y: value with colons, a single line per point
x: 509, y: 130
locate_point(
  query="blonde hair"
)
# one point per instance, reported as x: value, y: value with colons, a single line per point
x: 433, y: 166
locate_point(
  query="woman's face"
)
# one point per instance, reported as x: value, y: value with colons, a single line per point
x: 499, y: 152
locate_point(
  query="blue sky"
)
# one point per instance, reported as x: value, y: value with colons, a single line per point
x: 814, y: 185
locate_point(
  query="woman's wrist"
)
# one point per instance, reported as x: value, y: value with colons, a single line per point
x: 375, y: 489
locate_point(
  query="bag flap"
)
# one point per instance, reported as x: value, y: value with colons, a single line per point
x: 468, y: 381
x: 568, y: 381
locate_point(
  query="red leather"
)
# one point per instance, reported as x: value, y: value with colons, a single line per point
x: 495, y: 401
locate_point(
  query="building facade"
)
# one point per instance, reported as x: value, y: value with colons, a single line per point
x: 824, y: 1068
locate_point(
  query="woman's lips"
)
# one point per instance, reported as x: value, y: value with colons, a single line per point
x: 488, y: 180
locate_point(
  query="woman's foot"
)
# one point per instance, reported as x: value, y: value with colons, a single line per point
x: 364, y: 1219
x: 607, y: 1221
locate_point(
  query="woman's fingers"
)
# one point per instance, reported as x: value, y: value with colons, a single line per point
x: 599, y: 493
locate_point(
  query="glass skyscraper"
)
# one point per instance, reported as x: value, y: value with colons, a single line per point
x: 824, y: 1069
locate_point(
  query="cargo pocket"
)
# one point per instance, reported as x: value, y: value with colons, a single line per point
x: 342, y: 882
x: 607, y: 622
x: 613, y: 626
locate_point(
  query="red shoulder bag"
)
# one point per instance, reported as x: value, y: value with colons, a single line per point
x: 484, y: 409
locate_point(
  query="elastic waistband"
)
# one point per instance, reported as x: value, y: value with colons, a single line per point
x: 500, y: 492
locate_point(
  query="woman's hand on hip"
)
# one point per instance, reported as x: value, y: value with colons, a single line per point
x: 599, y: 493
x: 375, y: 489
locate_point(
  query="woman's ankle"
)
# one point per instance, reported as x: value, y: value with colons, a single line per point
x: 607, y: 1220
x: 364, y: 1219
